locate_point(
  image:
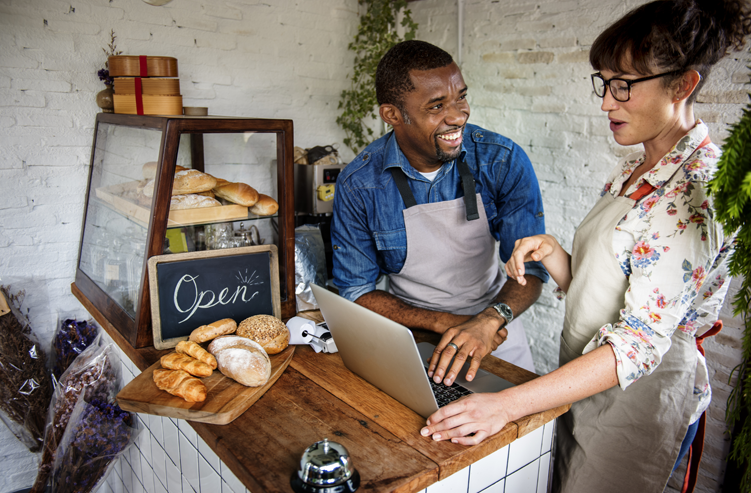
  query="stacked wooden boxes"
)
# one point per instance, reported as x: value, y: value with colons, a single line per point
x: 146, y: 85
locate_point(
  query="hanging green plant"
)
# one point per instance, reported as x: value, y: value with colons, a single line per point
x: 375, y: 36
x: 731, y: 189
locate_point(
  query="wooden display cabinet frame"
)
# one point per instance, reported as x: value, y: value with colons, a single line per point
x: 138, y: 331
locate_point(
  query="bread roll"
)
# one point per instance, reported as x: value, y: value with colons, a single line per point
x: 192, y: 181
x: 181, y: 384
x: 148, y: 188
x: 192, y: 201
x: 149, y: 170
x: 207, y: 332
x: 221, y: 181
x: 194, y: 350
x: 242, y: 360
x: 177, y: 361
x: 268, y: 331
x: 266, y: 206
x: 239, y: 193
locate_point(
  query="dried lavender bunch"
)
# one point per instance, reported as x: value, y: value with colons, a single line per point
x: 70, y: 341
x: 95, y: 375
x: 91, y: 444
x: 25, y: 386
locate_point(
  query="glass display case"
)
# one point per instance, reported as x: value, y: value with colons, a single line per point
x: 131, y: 215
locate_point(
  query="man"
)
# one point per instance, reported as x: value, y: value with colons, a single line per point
x: 428, y: 204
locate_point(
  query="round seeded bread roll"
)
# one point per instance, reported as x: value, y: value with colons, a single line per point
x: 242, y: 360
x: 268, y: 331
x: 265, y: 206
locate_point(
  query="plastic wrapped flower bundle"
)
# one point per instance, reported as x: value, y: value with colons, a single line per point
x: 25, y: 385
x: 97, y: 433
x: 95, y: 374
x: 71, y: 339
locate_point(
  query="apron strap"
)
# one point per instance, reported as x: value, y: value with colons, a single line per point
x: 400, y: 179
x: 468, y: 185
x: 697, y: 446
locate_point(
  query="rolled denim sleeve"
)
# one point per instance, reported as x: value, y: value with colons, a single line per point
x: 520, y: 201
x: 354, y: 257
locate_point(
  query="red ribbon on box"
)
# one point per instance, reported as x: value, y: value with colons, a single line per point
x: 139, y: 96
x: 144, y: 69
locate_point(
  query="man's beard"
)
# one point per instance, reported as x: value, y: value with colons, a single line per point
x: 446, y: 157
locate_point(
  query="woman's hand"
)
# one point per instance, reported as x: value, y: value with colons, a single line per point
x: 529, y: 249
x: 481, y: 414
x: 540, y: 248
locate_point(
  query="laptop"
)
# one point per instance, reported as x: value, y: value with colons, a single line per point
x: 384, y: 353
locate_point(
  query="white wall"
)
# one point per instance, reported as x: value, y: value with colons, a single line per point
x: 525, y: 63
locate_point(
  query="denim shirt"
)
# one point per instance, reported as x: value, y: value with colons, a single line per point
x: 368, y: 232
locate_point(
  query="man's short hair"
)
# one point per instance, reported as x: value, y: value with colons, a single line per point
x: 392, y: 75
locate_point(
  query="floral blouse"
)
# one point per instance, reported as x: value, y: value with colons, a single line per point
x: 675, y: 257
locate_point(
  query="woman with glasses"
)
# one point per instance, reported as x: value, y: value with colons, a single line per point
x: 647, y: 269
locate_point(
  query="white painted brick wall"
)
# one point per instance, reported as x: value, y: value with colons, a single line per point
x: 525, y: 63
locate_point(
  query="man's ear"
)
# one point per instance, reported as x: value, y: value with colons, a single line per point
x: 390, y: 114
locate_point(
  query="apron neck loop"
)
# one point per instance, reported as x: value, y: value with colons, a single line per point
x: 468, y: 186
x: 647, y: 188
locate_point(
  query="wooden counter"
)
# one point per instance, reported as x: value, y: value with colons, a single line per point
x: 316, y: 398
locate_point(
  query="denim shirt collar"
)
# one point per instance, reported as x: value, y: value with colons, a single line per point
x: 394, y: 157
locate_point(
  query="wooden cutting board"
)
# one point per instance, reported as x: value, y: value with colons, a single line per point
x: 225, y: 400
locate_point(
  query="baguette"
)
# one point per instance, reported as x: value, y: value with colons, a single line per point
x: 207, y: 332
x: 181, y: 384
x: 192, y: 349
x: 177, y: 361
x: 238, y: 193
x: 266, y: 206
x: 149, y: 170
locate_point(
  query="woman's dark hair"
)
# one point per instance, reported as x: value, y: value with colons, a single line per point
x: 392, y: 75
x: 673, y: 35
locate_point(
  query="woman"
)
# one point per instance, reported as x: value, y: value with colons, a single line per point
x: 648, y: 266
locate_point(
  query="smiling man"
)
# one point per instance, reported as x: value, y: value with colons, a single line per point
x: 434, y: 205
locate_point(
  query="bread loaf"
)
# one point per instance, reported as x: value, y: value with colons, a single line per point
x: 194, y: 350
x: 268, y: 331
x: 239, y: 193
x: 181, y: 384
x: 242, y: 360
x: 192, y: 181
x: 177, y: 361
x: 207, y: 332
x: 266, y: 206
x: 149, y: 170
x: 192, y: 201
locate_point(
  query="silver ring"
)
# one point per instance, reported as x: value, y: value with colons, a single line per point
x: 451, y: 344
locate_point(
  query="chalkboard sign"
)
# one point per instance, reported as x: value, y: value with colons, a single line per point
x: 197, y: 288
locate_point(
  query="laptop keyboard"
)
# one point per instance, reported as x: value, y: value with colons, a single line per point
x: 445, y: 394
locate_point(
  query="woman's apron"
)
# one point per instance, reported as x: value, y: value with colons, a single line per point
x: 452, y: 260
x: 617, y: 440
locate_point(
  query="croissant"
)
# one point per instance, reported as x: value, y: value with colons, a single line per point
x: 177, y: 361
x: 192, y: 349
x: 181, y: 384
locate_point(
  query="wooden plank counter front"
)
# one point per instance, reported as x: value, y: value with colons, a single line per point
x: 317, y: 397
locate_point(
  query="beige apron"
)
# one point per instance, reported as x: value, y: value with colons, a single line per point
x: 452, y: 263
x: 617, y: 440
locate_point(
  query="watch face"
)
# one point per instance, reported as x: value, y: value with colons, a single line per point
x: 506, y: 312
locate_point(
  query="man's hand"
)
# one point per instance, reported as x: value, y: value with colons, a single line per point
x: 479, y: 335
x: 474, y: 339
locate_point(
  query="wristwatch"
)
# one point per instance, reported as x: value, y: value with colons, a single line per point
x: 505, y: 311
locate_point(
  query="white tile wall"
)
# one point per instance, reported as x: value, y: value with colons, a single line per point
x: 169, y: 456
x: 520, y: 467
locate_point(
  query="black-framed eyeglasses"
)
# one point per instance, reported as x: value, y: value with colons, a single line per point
x: 621, y: 88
